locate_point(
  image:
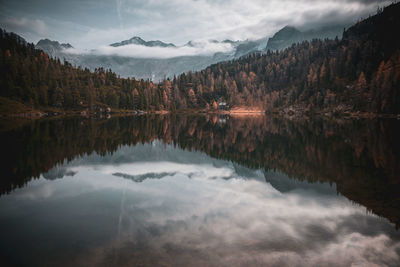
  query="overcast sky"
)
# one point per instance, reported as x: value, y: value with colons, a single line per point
x: 93, y: 23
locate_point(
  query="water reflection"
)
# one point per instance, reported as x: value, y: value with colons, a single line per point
x: 361, y: 157
x: 182, y: 191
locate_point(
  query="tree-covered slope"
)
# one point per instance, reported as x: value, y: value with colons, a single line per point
x: 30, y: 76
x: 360, y: 72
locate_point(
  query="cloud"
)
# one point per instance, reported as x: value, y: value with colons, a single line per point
x: 188, y: 217
x: 235, y: 19
x: 35, y: 26
x: 139, y: 51
x: 88, y: 24
x: 241, y: 222
x: 119, y: 5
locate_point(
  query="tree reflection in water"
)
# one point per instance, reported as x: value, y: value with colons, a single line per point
x: 361, y: 157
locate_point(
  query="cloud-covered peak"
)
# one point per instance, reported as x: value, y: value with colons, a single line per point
x: 153, y: 49
x: 55, y: 44
x: 136, y: 40
x: 53, y: 48
x: 89, y: 23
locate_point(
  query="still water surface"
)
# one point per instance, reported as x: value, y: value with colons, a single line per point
x: 200, y: 191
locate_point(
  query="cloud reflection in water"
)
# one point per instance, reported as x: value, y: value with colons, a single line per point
x: 186, y: 216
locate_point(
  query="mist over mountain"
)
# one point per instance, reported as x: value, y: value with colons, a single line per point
x: 156, y: 60
x: 52, y: 48
x: 142, y: 59
x: 290, y: 35
x: 139, y: 41
x: 358, y: 73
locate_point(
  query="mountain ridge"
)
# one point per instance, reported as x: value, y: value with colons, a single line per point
x: 139, y: 41
x: 288, y: 35
x: 53, y: 48
x: 157, y: 69
x: 358, y: 74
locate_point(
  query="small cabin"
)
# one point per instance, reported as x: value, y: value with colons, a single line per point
x: 222, y: 105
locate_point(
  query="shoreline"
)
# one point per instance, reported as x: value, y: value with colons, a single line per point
x: 235, y: 112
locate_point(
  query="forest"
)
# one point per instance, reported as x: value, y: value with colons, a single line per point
x: 360, y: 72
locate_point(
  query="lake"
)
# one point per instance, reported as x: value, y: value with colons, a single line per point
x: 193, y: 190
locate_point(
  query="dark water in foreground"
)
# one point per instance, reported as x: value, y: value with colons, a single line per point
x: 200, y: 191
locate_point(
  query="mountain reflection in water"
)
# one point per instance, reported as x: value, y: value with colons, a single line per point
x: 196, y: 190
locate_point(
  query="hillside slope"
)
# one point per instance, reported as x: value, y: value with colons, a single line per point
x: 361, y: 72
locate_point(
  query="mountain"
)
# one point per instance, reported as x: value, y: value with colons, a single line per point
x: 359, y: 73
x: 139, y: 41
x: 284, y: 38
x: 16, y: 37
x: 52, y: 48
x: 154, y: 69
x: 290, y: 35
x: 157, y: 69
x: 247, y: 47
